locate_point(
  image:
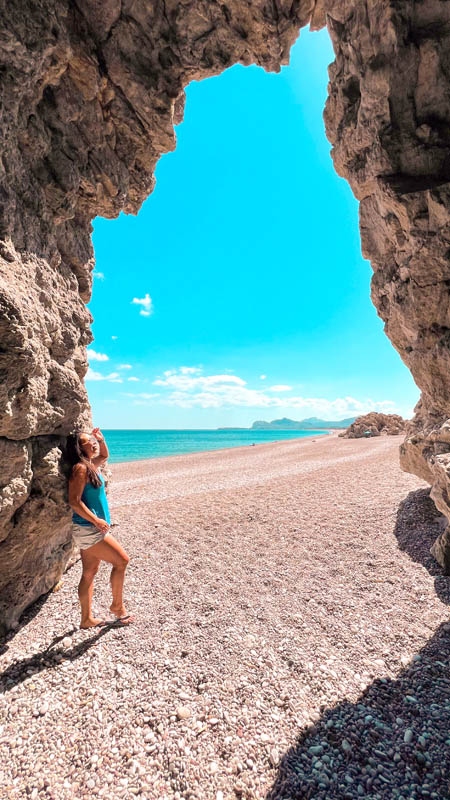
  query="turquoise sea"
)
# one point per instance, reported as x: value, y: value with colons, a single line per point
x: 127, y: 445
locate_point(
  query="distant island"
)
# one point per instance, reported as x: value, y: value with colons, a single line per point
x: 310, y: 424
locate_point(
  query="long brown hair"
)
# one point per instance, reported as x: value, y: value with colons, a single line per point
x: 75, y: 455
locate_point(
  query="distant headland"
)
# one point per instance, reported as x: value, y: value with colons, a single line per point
x: 285, y: 424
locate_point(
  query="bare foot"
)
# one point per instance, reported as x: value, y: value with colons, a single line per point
x: 121, y: 614
x: 91, y: 622
x: 118, y: 611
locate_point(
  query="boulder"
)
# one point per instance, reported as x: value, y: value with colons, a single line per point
x: 374, y: 424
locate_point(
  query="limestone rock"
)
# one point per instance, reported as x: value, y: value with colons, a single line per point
x: 375, y: 424
x: 15, y: 480
x: 44, y: 328
x: 36, y: 538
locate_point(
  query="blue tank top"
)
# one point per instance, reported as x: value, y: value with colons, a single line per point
x: 96, y: 501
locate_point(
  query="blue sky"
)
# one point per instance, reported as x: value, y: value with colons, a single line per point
x: 239, y: 291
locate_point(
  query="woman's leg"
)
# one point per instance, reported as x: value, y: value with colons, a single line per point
x: 111, y: 551
x: 90, y: 564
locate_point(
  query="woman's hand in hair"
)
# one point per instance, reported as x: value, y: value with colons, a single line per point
x: 103, y: 448
x: 102, y: 525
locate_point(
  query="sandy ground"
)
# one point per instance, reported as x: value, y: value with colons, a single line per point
x: 292, y: 638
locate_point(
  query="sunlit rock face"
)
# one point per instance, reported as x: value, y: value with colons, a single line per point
x: 91, y: 93
x: 388, y: 117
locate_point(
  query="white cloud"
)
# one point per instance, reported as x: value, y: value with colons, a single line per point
x: 113, y: 377
x: 185, y: 382
x: 132, y: 378
x: 219, y: 396
x: 99, y: 275
x: 124, y: 366
x: 147, y: 304
x: 263, y: 377
x: 186, y: 388
x: 190, y: 370
x: 183, y: 371
x: 114, y: 337
x: 94, y: 356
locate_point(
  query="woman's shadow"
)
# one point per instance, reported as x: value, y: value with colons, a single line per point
x: 51, y: 656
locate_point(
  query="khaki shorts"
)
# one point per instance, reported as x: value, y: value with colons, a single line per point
x: 86, y: 535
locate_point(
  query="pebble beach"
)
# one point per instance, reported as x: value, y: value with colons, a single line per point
x: 291, y: 642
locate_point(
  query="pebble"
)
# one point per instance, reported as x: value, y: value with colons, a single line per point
x: 274, y: 756
x: 407, y: 738
x: 183, y: 712
x: 67, y: 641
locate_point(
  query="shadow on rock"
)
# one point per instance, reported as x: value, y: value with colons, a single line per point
x: 393, y: 743
x: 33, y: 609
x: 50, y: 658
x: 417, y: 527
x: 29, y: 614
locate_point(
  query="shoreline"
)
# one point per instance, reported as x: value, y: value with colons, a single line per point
x: 326, y: 435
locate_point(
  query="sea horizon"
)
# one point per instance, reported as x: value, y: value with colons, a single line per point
x: 136, y: 444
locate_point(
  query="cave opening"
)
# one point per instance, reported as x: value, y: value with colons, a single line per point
x: 249, y: 253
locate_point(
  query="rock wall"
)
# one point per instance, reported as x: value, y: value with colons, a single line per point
x: 388, y: 117
x: 91, y: 92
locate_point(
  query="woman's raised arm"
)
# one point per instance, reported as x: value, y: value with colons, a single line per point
x: 104, y: 452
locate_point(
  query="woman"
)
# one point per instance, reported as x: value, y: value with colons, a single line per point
x: 87, y: 452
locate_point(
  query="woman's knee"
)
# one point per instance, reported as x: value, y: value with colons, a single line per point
x: 89, y: 574
x: 125, y: 560
x: 121, y: 561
